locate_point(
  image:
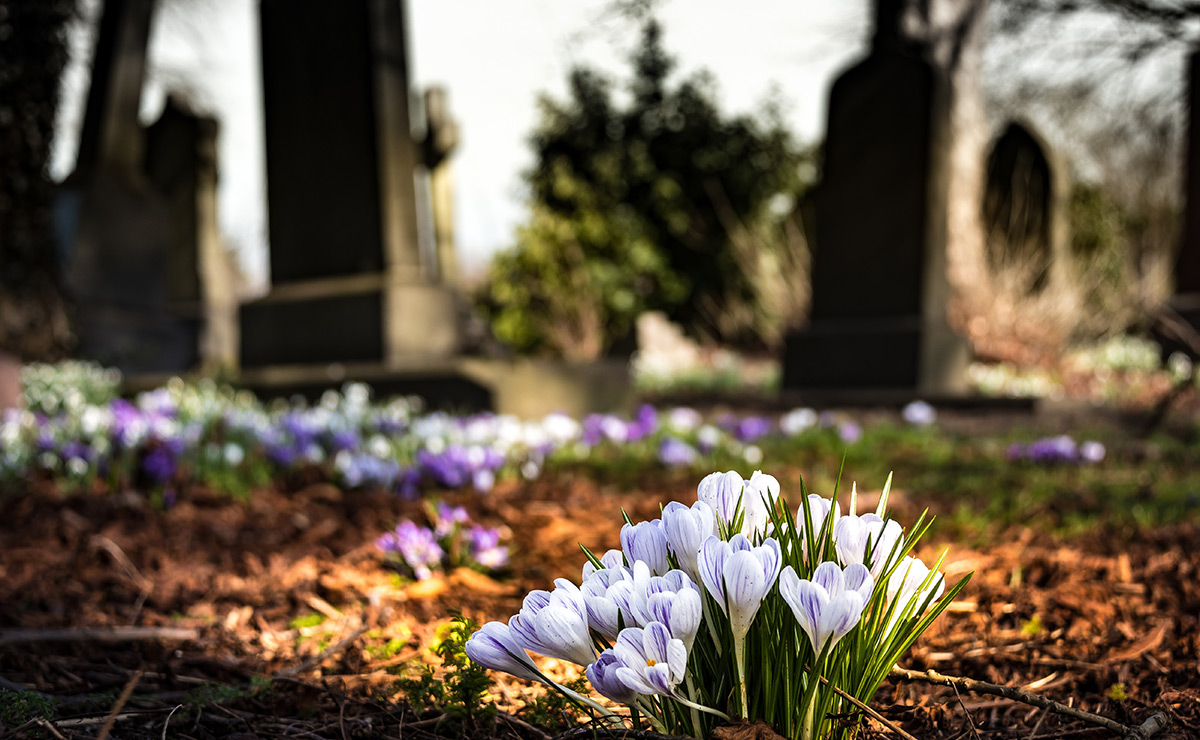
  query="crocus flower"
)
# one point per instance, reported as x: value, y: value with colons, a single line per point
x: 919, y: 413
x: 739, y: 576
x: 555, y: 624
x: 686, y: 529
x: 723, y: 493
x: 674, y: 452
x: 831, y: 604
x: 645, y: 541
x: 603, y: 676
x: 866, y: 539
x: 610, y: 559
x: 652, y: 662
x: 493, y: 646
x: 599, y: 598
x: 908, y: 589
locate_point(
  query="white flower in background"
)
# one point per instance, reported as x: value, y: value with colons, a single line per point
x: 709, y: 436
x: 919, y: 413
x: 797, y: 421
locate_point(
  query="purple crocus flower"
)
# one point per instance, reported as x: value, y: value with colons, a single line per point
x: 674, y: 452
x: 751, y: 429
x: 416, y: 546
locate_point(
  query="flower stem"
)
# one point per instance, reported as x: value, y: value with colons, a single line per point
x: 701, y: 708
x: 691, y: 688
x: 739, y: 655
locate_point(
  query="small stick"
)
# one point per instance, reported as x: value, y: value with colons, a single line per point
x: 883, y: 720
x: 48, y: 726
x: 98, y: 634
x: 116, y: 708
x: 1150, y: 727
x: 168, y: 720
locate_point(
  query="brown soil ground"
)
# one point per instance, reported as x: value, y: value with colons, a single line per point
x: 1068, y: 621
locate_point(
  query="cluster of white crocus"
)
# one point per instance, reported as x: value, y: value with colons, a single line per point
x: 673, y: 614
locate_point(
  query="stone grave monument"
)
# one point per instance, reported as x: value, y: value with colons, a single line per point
x: 1027, y: 193
x: 348, y: 281
x: 879, y: 288
x: 137, y: 217
x: 1183, y: 318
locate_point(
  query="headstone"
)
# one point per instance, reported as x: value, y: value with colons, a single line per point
x: 1180, y: 330
x: 119, y: 224
x: 1025, y: 208
x: 181, y: 161
x: 879, y: 285
x: 348, y: 280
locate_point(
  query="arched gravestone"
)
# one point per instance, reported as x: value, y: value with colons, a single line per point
x: 1023, y: 207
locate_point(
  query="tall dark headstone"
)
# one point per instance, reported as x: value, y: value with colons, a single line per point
x: 348, y: 280
x: 879, y: 285
x: 117, y: 221
x: 1024, y: 207
x: 1186, y: 299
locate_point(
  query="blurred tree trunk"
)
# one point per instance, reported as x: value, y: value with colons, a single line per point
x: 33, y: 317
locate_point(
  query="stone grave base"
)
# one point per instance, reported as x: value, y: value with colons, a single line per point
x: 527, y: 388
x: 887, y: 358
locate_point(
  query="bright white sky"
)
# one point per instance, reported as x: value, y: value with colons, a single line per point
x: 494, y: 58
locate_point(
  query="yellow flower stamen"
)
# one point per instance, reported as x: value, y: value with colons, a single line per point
x: 651, y: 662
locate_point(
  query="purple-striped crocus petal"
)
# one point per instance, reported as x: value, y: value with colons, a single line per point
x: 858, y: 578
x: 646, y: 542
x: 603, y: 615
x: 610, y: 560
x: 603, y: 676
x: 723, y: 493
x: 850, y: 538
x: 493, y: 646
x: 829, y: 577
x: 555, y: 624
x: 681, y: 612
x: 746, y: 585
x: 840, y: 616
x: 686, y: 529
x: 807, y: 600
x: 711, y: 564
